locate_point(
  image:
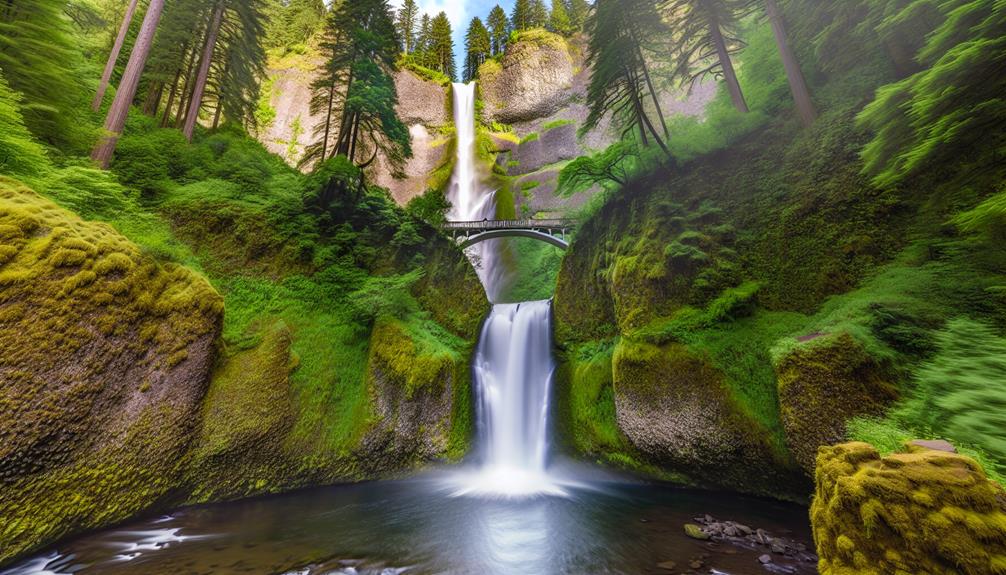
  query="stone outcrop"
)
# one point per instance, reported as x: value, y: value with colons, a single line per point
x: 119, y: 397
x: 105, y: 357
x: 673, y: 407
x: 539, y: 88
x: 823, y: 382
x: 532, y: 80
x: 919, y: 511
x: 423, y: 106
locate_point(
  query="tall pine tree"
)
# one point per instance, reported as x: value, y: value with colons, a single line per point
x: 499, y: 29
x: 408, y: 19
x: 478, y: 48
x: 355, y: 92
x: 558, y: 21
x: 521, y: 17
x: 703, y: 28
x: 619, y: 80
x: 441, y: 49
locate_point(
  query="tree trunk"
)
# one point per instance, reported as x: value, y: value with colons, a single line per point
x: 186, y: 88
x: 171, y: 98
x: 328, y: 121
x: 113, y: 57
x: 797, y: 84
x: 649, y: 84
x: 116, y: 118
x: 729, y: 76
x: 204, y: 69
x: 153, y: 100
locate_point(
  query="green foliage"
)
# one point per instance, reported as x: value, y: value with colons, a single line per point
x: 958, y: 392
x: 20, y: 155
x: 386, y: 297
x: 558, y: 20
x: 430, y: 207
x: 556, y: 124
x: 532, y: 137
x: 478, y: 49
x: 408, y: 19
x: 951, y: 107
x: 39, y: 59
x: 441, y: 48
x: 612, y: 167
x: 91, y: 193
x: 987, y: 218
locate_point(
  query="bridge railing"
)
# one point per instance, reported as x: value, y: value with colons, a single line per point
x: 487, y: 225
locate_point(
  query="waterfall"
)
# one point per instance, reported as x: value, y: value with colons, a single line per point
x: 513, y: 364
x: 470, y: 200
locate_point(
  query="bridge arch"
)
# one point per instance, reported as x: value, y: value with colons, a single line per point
x: 515, y: 233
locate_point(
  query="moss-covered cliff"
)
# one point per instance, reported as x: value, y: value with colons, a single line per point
x: 771, y: 283
x: 311, y: 352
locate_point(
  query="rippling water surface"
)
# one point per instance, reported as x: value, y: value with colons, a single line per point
x: 419, y: 526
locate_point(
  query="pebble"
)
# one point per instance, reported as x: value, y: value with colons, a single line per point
x: 765, y: 559
x: 668, y: 565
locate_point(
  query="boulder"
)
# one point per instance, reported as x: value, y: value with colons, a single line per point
x: 824, y: 382
x: 919, y: 511
x: 674, y: 408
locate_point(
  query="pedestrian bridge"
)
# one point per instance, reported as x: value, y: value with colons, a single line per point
x: 553, y: 231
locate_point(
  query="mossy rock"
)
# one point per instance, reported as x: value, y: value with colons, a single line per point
x: 918, y: 512
x: 105, y: 357
x: 824, y: 382
x: 674, y: 407
x: 420, y: 400
x: 246, y: 418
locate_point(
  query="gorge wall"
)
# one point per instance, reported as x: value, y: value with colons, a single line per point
x: 721, y: 321
x: 123, y: 397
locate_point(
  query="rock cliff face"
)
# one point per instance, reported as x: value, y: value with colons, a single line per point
x: 105, y: 358
x: 920, y: 511
x: 120, y: 397
x: 539, y: 88
x: 423, y: 105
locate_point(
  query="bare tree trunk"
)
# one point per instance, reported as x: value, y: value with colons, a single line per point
x: 171, y: 98
x: 204, y: 69
x: 729, y: 76
x: 116, y: 118
x: 649, y: 84
x: 153, y: 100
x: 106, y: 76
x: 186, y: 88
x: 797, y: 84
x: 328, y: 121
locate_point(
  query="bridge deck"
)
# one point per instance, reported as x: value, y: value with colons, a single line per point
x: 493, y: 225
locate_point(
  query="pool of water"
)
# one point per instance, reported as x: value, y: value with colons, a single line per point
x: 420, y: 526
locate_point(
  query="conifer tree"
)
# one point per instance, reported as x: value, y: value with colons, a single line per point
x: 558, y: 21
x: 115, y: 120
x: 521, y: 17
x: 408, y: 18
x: 478, y: 48
x: 499, y: 29
x: 113, y: 56
x: 539, y: 14
x: 703, y: 28
x: 423, y: 40
x: 797, y: 84
x: 619, y: 83
x: 355, y: 92
x: 441, y: 47
x: 578, y: 12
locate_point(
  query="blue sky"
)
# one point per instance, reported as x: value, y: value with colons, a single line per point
x: 460, y: 13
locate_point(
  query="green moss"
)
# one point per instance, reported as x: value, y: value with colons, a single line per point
x: 918, y: 511
x: 140, y: 334
x: 556, y: 124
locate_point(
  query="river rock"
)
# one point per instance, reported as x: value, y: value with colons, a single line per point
x: 696, y: 532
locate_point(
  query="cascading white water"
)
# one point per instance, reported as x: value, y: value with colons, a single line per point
x: 513, y: 363
x: 471, y: 201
